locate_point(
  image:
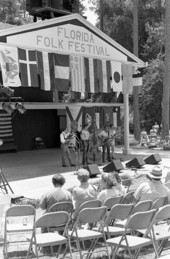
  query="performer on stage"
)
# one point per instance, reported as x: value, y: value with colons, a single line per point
x: 64, y: 140
x: 105, y: 139
x: 112, y: 139
x: 85, y: 135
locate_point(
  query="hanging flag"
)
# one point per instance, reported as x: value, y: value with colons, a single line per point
x: 107, y: 116
x: 108, y: 69
x: 137, y: 79
x: 45, y: 70
x: 77, y: 73
x: 9, y: 66
x: 28, y: 67
x: 91, y: 75
x: 74, y: 114
x: 62, y: 72
x: 116, y: 72
x: 127, y: 78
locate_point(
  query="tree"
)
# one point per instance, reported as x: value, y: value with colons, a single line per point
x: 166, y: 81
x: 135, y: 89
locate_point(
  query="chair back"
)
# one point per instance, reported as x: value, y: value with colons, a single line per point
x: 90, y: 204
x: 167, y: 184
x: 162, y: 214
x: 91, y: 215
x: 53, y: 219
x: 110, y: 202
x: 20, y: 210
x: 142, y: 206
x: 158, y: 203
x: 62, y: 206
x: 127, y: 183
x: 128, y: 198
x: 141, y: 220
x: 120, y: 211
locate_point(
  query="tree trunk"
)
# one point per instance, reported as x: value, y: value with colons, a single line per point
x: 135, y: 90
x: 166, y: 81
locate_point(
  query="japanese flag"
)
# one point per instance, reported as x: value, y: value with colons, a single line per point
x: 116, y: 72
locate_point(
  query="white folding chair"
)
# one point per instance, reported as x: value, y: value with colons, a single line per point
x: 52, y: 219
x: 89, y: 216
x: 19, y: 219
x: 158, y: 203
x: 118, y: 213
x: 161, y: 227
x: 138, y: 207
x: 110, y: 202
x: 141, y: 221
x: 5, y: 203
x: 128, y: 198
x: 167, y: 184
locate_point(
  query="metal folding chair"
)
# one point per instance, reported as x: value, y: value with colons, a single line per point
x: 141, y: 221
x: 138, y: 207
x: 5, y: 203
x: 110, y: 202
x: 52, y: 219
x: 158, y: 203
x: 89, y: 216
x: 118, y: 213
x: 128, y: 198
x: 19, y: 220
x: 161, y: 227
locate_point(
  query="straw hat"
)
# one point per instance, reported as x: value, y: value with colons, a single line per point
x: 156, y: 173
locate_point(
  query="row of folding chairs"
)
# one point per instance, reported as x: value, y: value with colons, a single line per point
x: 59, y: 217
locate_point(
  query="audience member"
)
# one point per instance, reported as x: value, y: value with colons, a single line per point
x: 58, y: 194
x: 153, y: 189
x: 156, y: 127
x: 84, y: 191
x: 108, y: 187
x: 144, y: 138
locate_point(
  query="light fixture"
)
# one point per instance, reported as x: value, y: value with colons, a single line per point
x: 20, y: 107
x: 6, y: 106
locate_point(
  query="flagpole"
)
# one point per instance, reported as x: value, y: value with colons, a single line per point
x: 126, y: 149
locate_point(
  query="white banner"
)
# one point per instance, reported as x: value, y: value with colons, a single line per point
x: 9, y: 65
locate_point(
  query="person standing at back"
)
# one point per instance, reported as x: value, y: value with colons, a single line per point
x: 64, y: 140
x: 104, y: 137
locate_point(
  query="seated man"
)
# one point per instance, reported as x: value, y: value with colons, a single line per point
x: 85, y: 191
x: 153, y: 189
x: 58, y: 194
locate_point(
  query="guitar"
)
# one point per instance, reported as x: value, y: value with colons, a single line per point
x: 106, y: 141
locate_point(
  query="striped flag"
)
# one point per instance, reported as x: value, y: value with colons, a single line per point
x: 61, y: 72
x: 127, y: 78
x: 91, y: 75
x: 77, y: 73
x: 9, y: 66
x: 116, y: 72
x: 45, y: 70
x: 28, y: 67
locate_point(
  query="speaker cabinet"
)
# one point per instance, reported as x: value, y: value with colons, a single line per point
x: 115, y: 165
x: 135, y: 163
x: 93, y: 169
x: 153, y: 159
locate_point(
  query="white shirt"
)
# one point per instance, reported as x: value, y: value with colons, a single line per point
x: 63, y: 137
